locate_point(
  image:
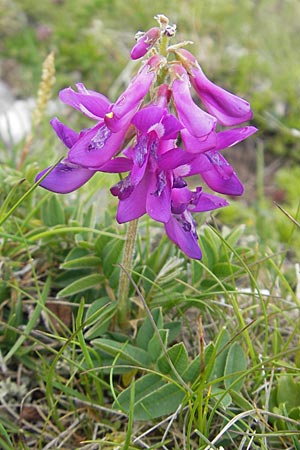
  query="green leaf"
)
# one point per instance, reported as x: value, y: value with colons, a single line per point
x: 240, y: 401
x: 294, y: 413
x: 97, y: 306
x: 112, y: 253
x: 75, y: 253
x: 209, y: 359
x: 153, y: 398
x: 209, y: 251
x: 220, y: 360
x: 88, y: 282
x: 9, y: 197
x: 170, y: 270
x: 146, y: 331
x: 100, y: 244
x: 154, y: 347
x: 221, y: 396
x: 236, y: 364
x: 197, y: 272
x: 53, y: 212
x: 225, y: 269
x: 288, y: 392
x: 192, y: 372
x: 82, y: 262
x: 102, y: 311
x: 5, y: 434
x: 233, y: 237
x: 129, y: 353
x: 174, y: 329
x: 179, y: 357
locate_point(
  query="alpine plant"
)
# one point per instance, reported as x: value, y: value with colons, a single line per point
x: 157, y: 136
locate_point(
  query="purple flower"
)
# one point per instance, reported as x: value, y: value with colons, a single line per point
x: 228, y: 108
x: 93, y: 149
x: 197, y: 122
x: 181, y: 227
x: 144, y: 42
x: 100, y: 143
x: 93, y: 104
x: 153, y: 116
x: 215, y: 171
x: 130, y: 100
x: 67, y: 177
x: 148, y: 187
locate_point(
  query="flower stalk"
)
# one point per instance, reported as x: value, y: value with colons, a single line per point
x: 126, y: 267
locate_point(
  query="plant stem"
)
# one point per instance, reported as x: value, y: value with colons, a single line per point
x: 260, y: 163
x: 124, y: 280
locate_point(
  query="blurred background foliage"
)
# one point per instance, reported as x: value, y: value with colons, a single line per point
x: 248, y: 46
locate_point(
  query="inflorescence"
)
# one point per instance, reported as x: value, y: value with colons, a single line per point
x: 159, y: 136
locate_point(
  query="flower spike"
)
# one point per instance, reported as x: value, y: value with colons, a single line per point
x: 158, y: 136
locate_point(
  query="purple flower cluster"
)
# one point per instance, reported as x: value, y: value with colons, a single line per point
x: 159, y: 136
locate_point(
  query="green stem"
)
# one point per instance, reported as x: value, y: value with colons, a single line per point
x: 124, y: 280
x: 164, y: 45
x: 260, y: 164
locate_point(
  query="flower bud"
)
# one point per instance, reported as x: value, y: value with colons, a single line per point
x: 145, y: 42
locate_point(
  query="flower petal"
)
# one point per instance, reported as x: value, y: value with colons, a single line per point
x: 157, y: 119
x: 130, y: 99
x: 171, y: 126
x: 228, y: 108
x: 96, y: 146
x: 185, y: 239
x: 123, y: 188
x: 193, y: 144
x: 144, y: 43
x: 198, y: 122
x: 175, y: 158
x: 133, y: 206
x: 91, y: 103
x: 146, y: 117
x: 180, y: 199
x: 208, y: 202
x: 228, y: 138
x: 198, y: 164
x: 220, y: 177
x: 116, y: 165
x: 158, y: 204
x: 140, y: 158
x: 65, y: 178
x: 68, y: 136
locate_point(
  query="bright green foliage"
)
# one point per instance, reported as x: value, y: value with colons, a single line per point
x: 153, y: 372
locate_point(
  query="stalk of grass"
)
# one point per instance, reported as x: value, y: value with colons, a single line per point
x: 32, y: 321
x: 235, y: 303
x: 127, y: 260
x: 288, y: 215
x: 27, y: 194
x: 7, y: 445
x: 70, y: 229
x: 130, y: 418
x: 177, y: 375
x: 85, y: 351
x: 51, y: 382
